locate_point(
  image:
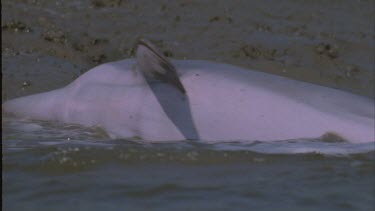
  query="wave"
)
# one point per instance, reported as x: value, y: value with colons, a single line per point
x: 57, y: 139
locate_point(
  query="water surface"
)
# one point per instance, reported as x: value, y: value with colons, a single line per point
x: 54, y: 166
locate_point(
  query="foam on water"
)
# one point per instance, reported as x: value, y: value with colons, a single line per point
x: 303, y: 146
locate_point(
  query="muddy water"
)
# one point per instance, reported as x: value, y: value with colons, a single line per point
x: 52, y: 166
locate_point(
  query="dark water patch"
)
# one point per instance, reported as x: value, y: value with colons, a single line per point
x: 164, y: 185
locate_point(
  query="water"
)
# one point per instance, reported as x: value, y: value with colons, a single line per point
x: 54, y: 166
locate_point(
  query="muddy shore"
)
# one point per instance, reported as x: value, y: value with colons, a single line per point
x: 47, y: 44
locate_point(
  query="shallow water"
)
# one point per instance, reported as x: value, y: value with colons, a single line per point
x: 53, y: 166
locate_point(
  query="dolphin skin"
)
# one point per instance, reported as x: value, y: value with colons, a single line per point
x: 156, y: 99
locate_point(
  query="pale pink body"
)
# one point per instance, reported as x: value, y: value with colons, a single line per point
x: 228, y: 103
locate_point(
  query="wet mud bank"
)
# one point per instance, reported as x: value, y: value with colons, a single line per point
x: 47, y: 44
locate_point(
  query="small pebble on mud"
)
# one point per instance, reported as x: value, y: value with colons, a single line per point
x: 16, y: 26
x: 263, y: 27
x: 168, y: 53
x: 9, y: 52
x: 26, y: 84
x: 98, y: 41
x: 331, y: 51
x: 130, y: 52
x: 98, y: 59
x: 106, y: 3
x: 56, y: 36
x: 221, y: 18
x: 163, y: 7
x: 351, y: 71
x: 255, y: 52
x: 251, y: 51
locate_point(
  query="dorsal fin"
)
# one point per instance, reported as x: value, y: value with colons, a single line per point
x: 155, y: 66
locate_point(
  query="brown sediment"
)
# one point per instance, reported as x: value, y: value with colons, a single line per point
x: 324, y: 44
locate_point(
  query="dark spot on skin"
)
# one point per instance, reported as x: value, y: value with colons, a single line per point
x: 196, y: 74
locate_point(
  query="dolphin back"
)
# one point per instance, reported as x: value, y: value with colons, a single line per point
x: 44, y: 106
